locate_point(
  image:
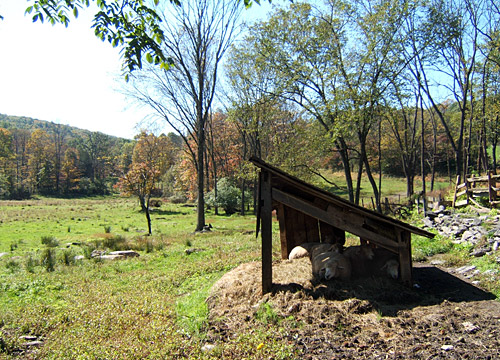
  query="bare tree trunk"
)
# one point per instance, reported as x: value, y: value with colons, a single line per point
x: 422, y: 158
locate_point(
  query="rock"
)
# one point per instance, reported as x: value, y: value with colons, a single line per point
x: 467, y: 235
x: 79, y: 257
x: 480, y: 252
x: 465, y: 269
x: 35, y: 343
x: 125, y: 253
x: 470, y: 327
x: 97, y: 253
x: 495, y: 246
x: 438, y: 262
x: 447, y: 347
x: 28, y: 337
x: 111, y: 257
x: 428, y: 222
x: 207, y: 347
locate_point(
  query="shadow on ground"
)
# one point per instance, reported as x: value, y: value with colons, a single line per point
x: 432, y: 286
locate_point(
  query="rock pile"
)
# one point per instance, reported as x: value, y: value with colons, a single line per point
x: 481, y: 231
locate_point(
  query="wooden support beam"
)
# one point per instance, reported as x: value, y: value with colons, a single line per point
x: 267, y: 240
x: 405, y: 262
x: 285, y: 247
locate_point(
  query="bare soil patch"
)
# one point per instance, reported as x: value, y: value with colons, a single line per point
x: 376, y: 318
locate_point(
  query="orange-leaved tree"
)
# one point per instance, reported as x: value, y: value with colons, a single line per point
x: 151, y: 159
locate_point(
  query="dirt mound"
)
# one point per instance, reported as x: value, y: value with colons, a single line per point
x: 443, y: 317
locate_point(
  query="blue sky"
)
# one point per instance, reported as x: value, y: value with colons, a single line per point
x: 64, y: 75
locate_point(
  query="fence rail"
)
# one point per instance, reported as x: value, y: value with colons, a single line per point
x: 476, y: 187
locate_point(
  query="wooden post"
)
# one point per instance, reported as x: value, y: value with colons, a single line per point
x: 491, y: 191
x: 405, y: 263
x: 456, y: 191
x: 267, y: 240
x: 284, y: 230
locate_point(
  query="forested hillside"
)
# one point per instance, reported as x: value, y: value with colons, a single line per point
x: 41, y: 157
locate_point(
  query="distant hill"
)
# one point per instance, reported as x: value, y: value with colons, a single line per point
x: 10, y: 122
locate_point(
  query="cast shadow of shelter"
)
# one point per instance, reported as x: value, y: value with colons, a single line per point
x: 432, y: 286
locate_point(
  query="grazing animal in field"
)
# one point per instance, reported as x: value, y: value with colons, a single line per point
x: 360, y: 256
x: 331, y: 265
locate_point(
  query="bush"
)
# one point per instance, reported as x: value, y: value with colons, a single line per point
x: 115, y: 242
x: 30, y: 263
x: 155, y: 203
x: 178, y: 198
x: 12, y: 265
x: 68, y: 257
x: 50, y: 241
x: 49, y: 259
x: 228, y: 196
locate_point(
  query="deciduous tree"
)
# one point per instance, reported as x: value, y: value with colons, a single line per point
x: 152, y: 157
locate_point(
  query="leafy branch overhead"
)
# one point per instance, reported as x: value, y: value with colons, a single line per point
x: 129, y: 24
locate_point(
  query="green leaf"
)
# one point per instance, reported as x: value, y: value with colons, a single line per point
x: 75, y: 12
x: 29, y: 9
x: 149, y: 58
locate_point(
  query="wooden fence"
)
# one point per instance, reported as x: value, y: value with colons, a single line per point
x: 476, y: 187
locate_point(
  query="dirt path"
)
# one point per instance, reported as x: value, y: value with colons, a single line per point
x: 443, y: 317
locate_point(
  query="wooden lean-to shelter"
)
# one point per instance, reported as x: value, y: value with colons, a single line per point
x: 308, y: 214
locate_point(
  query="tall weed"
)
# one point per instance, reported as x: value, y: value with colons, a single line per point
x: 48, y: 259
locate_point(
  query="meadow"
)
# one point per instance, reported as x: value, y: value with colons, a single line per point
x: 152, y: 306
x: 57, y: 302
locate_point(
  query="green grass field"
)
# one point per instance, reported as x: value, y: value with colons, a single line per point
x: 152, y: 306
x: 149, y: 307
x: 392, y: 187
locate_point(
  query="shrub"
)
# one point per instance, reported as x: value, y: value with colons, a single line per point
x: 107, y: 229
x: 228, y: 196
x: 155, y: 203
x: 178, y: 198
x: 49, y: 259
x: 87, y: 250
x: 12, y: 265
x: 115, y: 242
x: 30, y: 263
x: 68, y: 257
x: 266, y: 314
x: 50, y: 241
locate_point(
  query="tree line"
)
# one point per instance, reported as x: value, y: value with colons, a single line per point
x: 38, y: 157
x: 368, y: 87
x: 405, y: 88
x: 391, y: 86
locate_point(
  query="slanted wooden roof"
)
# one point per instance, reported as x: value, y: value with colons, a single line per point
x: 307, y: 213
x: 291, y: 184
